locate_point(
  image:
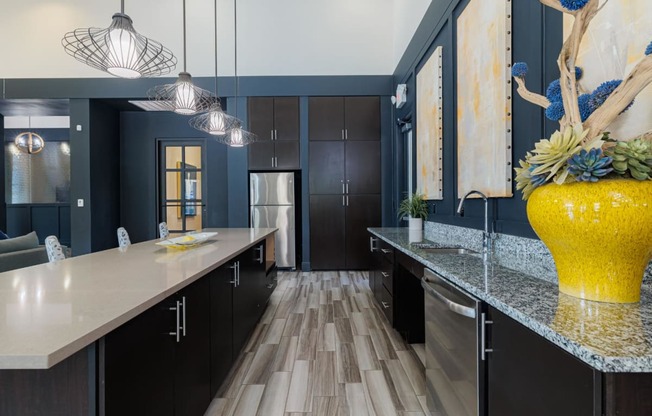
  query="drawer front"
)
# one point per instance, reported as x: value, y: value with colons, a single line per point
x: 387, y: 275
x: 386, y: 250
x: 387, y: 305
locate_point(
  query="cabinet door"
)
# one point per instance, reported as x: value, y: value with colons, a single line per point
x: 287, y: 155
x: 261, y: 155
x: 326, y: 118
x: 221, y: 321
x: 530, y: 376
x: 261, y: 116
x: 363, y: 167
x: 326, y: 167
x: 362, y: 118
x: 362, y: 211
x: 246, y: 301
x: 327, y: 249
x: 139, y: 365
x: 286, y: 118
x: 192, y: 359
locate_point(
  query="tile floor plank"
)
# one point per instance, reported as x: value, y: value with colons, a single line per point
x: 323, y: 348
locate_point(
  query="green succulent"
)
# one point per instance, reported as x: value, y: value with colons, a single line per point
x: 414, y: 206
x: 633, y: 158
x: 550, y: 155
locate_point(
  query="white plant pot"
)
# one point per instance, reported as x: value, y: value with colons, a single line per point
x: 415, y: 223
x: 415, y: 235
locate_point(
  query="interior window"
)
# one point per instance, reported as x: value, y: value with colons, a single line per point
x: 181, y: 186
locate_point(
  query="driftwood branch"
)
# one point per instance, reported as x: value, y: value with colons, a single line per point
x: 528, y: 95
x: 620, y: 98
x: 555, y: 5
x: 567, y: 58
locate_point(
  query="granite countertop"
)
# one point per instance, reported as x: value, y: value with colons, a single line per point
x: 50, y: 311
x: 608, y: 337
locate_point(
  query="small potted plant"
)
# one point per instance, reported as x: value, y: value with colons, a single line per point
x: 416, y: 208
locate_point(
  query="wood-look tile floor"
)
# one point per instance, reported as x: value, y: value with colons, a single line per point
x: 324, y: 348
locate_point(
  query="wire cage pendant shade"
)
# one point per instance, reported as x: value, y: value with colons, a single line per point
x: 215, y: 122
x: 238, y: 137
x: 119, y: 50
x: 29, y: 142
x: 182, y: 97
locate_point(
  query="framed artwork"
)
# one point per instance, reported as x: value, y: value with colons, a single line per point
x: 430, y: 127
x: 484, y: 105
x: 614, y: 42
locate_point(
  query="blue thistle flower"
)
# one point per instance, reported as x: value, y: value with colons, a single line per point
x: 555, y: 111
x: 589, y: 166
x: 648, y: 50
x: 604, y: 90
x: 519, y: 69
x: 573, y: 5
x: 585, y: 108
x: 579, y: 72
x: 553, y: 92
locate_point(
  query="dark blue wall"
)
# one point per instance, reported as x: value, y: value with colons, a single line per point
x: 3, y: 205
x: 104, y: 175
x: 537, y: 39
x: 80, y: 176
x: 138, y: 171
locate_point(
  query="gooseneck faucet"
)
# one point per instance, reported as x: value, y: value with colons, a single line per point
x: 486, y: 236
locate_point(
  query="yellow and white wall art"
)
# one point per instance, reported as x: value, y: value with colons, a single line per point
x: 484, y: 105
x: 430, y: 127
x: 613, y: 44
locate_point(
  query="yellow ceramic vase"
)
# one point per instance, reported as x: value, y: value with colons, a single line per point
x: 599, y: 234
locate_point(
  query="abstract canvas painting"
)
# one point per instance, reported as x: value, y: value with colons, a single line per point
x: 614, y: 43
x: 484, y: 106
x: 430, y: 127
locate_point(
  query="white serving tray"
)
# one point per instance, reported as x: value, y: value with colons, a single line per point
x: 186, y: 241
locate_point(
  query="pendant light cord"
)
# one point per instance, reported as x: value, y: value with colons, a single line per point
x: 122, y: 6
x: 235, y: 55
x: 184, y: 35
x: 216, y: 96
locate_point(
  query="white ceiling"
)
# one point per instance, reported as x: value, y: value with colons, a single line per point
x: 282, y: 37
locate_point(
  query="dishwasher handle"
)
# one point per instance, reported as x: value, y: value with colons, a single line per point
x: 452, y: 306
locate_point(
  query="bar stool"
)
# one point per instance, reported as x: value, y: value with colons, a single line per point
x: 53, y: 248
x: 163, y: 230
x: 123, y: 238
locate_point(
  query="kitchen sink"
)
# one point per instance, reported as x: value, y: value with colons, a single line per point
x: 449, y: 250
x: 439, y: 249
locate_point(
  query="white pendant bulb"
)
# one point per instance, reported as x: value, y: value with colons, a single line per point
x: 185, y: 101
x: 123, y: 53
x: 236, y: 137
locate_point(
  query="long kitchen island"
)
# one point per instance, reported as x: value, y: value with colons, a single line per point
x: 140, y: 330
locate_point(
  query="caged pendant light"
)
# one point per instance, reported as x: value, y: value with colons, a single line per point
x: 215, y: 122
x: 183, y: 97
x: 237, y: 136
x: 119, y: 49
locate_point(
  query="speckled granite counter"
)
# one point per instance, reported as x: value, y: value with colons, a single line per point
x: 608, y: 337
x: 50, y: 311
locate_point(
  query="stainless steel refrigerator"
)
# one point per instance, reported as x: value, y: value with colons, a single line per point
x: 272, y: 205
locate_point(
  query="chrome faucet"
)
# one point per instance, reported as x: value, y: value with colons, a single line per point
x: 486, y: 235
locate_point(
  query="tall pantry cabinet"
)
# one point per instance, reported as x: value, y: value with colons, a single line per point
x: 345, y: 180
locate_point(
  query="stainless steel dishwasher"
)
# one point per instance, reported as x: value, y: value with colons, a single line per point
x: 454, y: 341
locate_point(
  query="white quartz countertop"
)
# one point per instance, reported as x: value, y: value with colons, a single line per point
x: 50, y: 311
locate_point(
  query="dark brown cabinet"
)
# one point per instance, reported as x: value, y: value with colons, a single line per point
x: 345, y: 181
x: 275, y: 120
x: 157, y: 362
x: 344, y: 118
